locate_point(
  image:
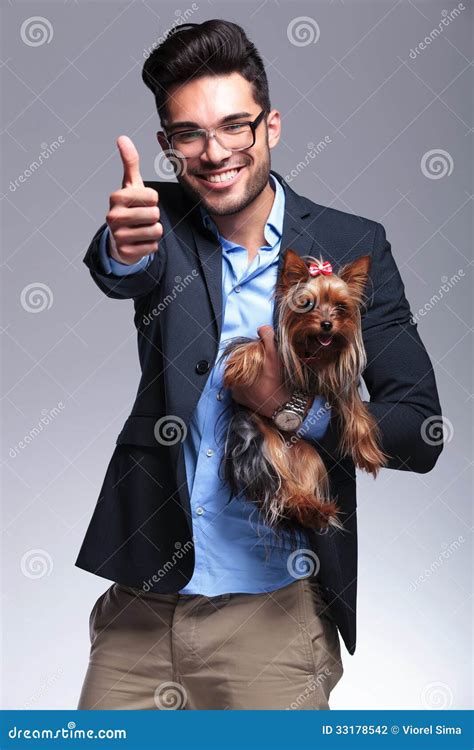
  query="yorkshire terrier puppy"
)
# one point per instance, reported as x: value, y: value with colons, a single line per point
x: 319, y: 341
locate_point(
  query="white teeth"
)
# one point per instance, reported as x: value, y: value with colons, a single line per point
x: 222, y: 177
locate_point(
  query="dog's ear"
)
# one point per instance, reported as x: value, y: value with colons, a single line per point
x: 294, y: 269
x: 356, y: 275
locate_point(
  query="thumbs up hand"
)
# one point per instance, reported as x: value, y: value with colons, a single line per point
x: 133, y: 216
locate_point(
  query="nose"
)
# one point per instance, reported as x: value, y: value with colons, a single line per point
x: 326, y: 325
x: 214, y: 152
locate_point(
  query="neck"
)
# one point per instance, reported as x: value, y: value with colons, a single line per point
x: 246, y: 228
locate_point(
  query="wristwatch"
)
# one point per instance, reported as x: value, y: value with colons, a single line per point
x: 289, y: 416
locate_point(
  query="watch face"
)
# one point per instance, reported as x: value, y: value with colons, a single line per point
x: 287, y: 420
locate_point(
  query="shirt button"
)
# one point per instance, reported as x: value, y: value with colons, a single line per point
x: 199, y: 510
x: 219, y: 395
x: 237, y: 289
x: 209, y: 452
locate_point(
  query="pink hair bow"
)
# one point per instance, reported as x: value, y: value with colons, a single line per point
x: 323, y: 267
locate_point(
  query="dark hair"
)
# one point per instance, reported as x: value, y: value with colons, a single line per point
x: 214, y: 47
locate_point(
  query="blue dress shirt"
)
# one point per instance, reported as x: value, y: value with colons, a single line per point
x: 235, y: 550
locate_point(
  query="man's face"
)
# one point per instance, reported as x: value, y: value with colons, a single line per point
x: 205, y: 102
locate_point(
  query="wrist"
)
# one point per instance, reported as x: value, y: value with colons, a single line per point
x: 112, y: 248
x: 276, y: 401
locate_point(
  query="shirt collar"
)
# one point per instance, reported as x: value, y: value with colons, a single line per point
x: 273, y: 228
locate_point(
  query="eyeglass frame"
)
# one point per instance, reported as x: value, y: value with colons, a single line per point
x: 211, y: 133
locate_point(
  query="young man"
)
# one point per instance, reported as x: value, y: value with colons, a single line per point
x: 206, y: 611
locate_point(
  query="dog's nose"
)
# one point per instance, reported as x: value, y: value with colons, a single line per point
x: 326, y: 325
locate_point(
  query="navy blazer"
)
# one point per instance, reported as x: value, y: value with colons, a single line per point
x: 141, y: 528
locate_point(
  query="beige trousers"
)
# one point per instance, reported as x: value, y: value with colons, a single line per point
x: 276, y: 650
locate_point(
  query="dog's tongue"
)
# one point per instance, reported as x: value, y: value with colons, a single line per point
x: 324, y: 340
x: 314, y: 356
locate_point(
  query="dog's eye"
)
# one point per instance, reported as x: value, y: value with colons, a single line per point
x: 341, y: 308
x: 304, y: 303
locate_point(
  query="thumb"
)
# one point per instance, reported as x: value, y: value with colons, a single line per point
x: 267, y: 335
x: 130, y: 161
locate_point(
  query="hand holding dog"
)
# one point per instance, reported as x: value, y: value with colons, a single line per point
x: 268, y: 392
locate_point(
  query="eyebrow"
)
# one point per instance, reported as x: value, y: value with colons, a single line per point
x: 190, y: 124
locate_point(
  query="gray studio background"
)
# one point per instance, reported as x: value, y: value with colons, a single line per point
x: 393, y: 123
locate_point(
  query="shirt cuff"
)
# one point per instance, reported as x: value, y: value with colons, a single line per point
x: 110, y: 265
x: 316, y: 422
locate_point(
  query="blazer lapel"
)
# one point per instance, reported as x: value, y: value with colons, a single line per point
x: 296, y: 236
x: 209, y: 254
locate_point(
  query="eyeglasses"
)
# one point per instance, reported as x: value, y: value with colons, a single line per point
x: 236, y: 136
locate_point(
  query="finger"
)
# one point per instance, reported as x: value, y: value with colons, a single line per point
x: 128, y: 235
x: 132, y: 253
x: 132, y: 217
x: 267, y: 335
x: 130, y: 161
x: 134, y: 197
x: 266, y: 332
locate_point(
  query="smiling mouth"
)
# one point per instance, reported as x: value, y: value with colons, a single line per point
x: 312, y: 348
x: 221, y: 177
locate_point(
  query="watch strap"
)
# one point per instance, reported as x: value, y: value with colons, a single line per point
x: 296, y: 404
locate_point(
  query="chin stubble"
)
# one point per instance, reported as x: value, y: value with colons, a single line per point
x: 258, y: 183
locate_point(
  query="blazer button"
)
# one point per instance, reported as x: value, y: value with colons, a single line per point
x: 202, y: 366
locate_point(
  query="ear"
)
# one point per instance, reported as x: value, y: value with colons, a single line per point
x: 160, y: 136
x: 294, y: 269
x: 356, y: 275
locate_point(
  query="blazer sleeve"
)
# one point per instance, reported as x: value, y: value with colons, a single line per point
x: 399, y: 375
x: 124, y: 287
